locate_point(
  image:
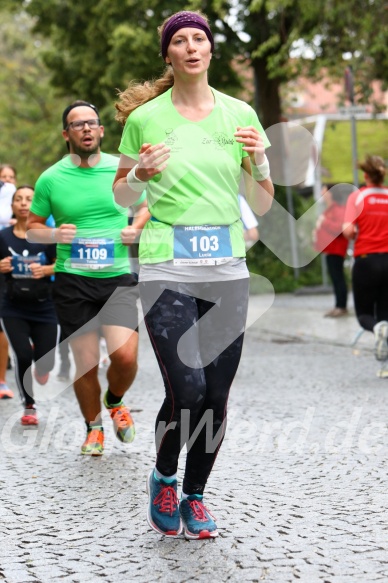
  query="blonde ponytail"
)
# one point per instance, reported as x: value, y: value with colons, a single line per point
x: 137, y: 94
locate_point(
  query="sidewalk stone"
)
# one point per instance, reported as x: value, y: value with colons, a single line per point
x: 298, y: 488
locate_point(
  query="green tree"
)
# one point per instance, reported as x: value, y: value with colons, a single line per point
x: 330, y: 35
x: 261, y: 260
x: 99, y: 45
x: 29, y: 108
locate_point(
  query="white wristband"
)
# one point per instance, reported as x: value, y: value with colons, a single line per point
x: 134, y: 182
x: 52, y: 234
x: 261, y: 172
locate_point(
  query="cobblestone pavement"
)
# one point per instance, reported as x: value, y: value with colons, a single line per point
x: 299, y: 488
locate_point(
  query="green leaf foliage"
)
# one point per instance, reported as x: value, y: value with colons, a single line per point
x: 98, y: 46
x: 261, y: 260
x: 29, y: 107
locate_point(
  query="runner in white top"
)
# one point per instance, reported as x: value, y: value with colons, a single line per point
x: 250, y: 223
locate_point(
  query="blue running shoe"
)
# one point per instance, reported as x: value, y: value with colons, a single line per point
x: 163, y: 506
x: 198, y: 522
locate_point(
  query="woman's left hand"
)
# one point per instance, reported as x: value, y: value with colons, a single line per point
x: 253, y: 143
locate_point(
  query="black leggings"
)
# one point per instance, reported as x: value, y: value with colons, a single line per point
x: 30, y: 341
x: 370, y: 289
x: 197, y: 368
x: 335, y: 267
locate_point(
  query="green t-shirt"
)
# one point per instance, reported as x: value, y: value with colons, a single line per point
x: 201, y: 183
x: 84, y: 197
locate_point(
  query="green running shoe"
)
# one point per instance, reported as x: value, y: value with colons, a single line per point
x: 94, y: 443
x: 123, y: 423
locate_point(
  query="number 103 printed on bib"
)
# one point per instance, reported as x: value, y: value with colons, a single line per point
x: 202, y: 245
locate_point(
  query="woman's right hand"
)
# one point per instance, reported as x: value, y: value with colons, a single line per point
x: 152, y: 161
x: 5, y: 265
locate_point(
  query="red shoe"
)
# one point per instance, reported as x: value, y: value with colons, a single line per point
x: 30, y: 416
x: 41, y: 378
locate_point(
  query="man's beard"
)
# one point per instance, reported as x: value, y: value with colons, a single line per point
x: 85, y: 152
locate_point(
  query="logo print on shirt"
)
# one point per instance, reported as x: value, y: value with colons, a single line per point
x: 171, y: 138
x: 220, y: 140
x: 375, y: 200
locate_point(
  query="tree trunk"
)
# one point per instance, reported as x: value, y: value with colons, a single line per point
x: 267, y: 95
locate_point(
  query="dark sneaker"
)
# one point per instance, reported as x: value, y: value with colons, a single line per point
x: 123, y: 423
x: 198, y: 522
x: 94, y: 443
x: 380, y: 331
x: 163, y: 506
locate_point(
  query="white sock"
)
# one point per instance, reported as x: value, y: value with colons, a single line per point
x: 184, y: 496
x: 160, y: 476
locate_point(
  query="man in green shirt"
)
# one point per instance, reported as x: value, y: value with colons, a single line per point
x: 94, y: 292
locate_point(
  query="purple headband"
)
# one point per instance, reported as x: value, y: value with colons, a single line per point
x: 183, y: 20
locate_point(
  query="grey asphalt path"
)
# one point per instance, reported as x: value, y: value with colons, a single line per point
x: 299, y: 488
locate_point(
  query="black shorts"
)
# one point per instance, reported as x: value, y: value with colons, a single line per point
x: 85, y: 303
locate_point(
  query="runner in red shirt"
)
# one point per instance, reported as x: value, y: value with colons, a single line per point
x: 366, y: 221
x: 328, y: 239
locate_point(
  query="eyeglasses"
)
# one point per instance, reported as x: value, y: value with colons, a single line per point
x: 78, y: 126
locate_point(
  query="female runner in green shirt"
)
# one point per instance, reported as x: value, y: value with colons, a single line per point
x: 187, y: 144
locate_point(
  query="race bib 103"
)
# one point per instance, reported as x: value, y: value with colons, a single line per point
x: 201, y: 245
